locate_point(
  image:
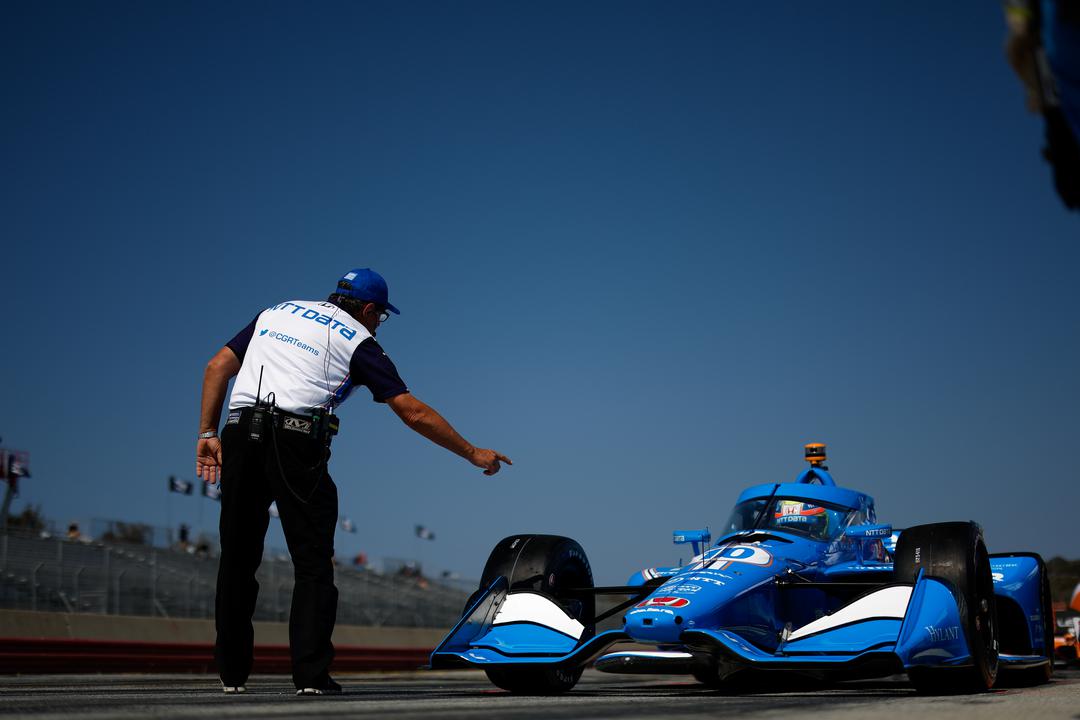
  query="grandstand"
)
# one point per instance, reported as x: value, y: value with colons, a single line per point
x: 42, y: 572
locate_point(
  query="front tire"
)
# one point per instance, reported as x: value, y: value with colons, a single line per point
x: 956, y: 552
x: 551, y: 565
x: 710, y: 677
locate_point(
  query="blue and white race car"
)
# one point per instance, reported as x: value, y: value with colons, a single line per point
x: 804, y: 579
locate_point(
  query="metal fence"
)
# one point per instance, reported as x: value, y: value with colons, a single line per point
x: 115, y: 578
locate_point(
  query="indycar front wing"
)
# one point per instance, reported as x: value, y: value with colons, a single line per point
x: 892, y: 628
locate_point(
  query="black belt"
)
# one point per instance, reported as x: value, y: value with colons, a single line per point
x: 321, y: 426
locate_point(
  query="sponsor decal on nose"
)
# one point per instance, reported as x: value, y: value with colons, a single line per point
x: 670, y: 602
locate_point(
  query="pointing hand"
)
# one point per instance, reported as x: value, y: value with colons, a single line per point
x: 488, y: 459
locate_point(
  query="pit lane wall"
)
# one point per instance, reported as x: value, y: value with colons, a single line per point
x: 53, y: 642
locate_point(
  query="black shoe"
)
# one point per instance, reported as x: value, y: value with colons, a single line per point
x: 327, y: 687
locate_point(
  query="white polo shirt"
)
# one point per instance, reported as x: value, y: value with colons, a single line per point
x: 311, y: 354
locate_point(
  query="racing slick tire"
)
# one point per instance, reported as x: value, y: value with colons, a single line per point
x: 955, y: 552
x: 549, y: 564
x: 706, y: 676
x: 1067, y: 655
x: 710, y: 677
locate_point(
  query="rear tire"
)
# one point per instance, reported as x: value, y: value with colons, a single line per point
x: 956, y: 552
x: 551, y: 565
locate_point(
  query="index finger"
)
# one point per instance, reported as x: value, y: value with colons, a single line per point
x: 505, y: 459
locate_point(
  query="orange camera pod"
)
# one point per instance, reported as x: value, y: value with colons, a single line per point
x: 815, y: 453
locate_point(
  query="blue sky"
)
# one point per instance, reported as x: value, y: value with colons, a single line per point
x: 645, y: 249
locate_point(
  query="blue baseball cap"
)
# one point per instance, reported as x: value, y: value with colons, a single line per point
x: 366, y: 284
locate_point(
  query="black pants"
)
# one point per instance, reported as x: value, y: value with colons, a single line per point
x: 308, y: 507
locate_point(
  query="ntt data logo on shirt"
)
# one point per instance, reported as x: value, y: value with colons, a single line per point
x: 315, y: 316
x: 288, y: 340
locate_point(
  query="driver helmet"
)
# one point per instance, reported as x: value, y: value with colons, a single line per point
x: 807, y: 517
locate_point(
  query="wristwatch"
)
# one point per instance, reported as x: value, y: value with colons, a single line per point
x: 208, y: 434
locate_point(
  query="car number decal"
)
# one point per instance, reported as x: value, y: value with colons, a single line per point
x: 723, y: 556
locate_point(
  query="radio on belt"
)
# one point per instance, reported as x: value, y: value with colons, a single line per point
x: 323, y: 426
x: 258, y: 413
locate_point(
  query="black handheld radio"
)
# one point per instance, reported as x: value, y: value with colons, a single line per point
x: 258, y: 414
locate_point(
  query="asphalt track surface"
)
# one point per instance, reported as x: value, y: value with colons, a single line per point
x: 467, y: 694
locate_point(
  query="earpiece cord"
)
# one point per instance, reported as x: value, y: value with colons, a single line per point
x: 328, y: 406
x: 281, y: 469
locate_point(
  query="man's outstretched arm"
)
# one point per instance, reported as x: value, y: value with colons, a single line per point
x: 424, y: 419
x: 221, y: 368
